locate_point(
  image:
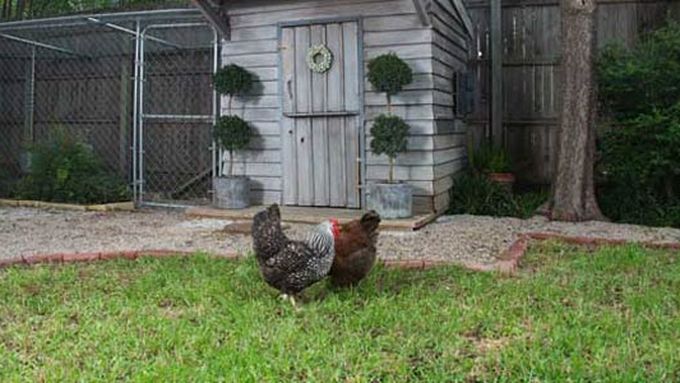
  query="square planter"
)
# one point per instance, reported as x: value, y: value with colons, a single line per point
x: 391, y: 201
x: 231, y: 192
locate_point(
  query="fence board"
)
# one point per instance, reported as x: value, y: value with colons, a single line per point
x: 531, y: 50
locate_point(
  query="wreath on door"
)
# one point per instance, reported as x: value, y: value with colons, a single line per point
x: 319, y: 58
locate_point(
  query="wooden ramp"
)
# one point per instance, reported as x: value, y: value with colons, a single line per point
x: 310, y: 215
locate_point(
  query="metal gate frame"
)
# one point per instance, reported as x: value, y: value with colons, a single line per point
x: 139, y: 115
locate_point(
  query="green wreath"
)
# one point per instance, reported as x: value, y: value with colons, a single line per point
x: 319, y: 58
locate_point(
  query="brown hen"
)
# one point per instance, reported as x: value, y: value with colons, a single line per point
x: 355, y: 250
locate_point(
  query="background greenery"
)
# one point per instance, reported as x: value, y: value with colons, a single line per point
x: 639, y: 168
x: 27, y: 9
x: 64, y: 169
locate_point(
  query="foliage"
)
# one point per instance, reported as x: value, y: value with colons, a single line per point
x: 233, y: 80
x: 473, y: 193
x: 490, y: 159
x: 24, y: 9
x: 389, y: 74
x: 6, y: 183
x: 640, y: 149
x: 389, y: 137
x: 604, y: 315
x: 635, y: 81
x: 232, y: 133
x: 64, y: 169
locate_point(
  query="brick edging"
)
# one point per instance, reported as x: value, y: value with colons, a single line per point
x: 598, y: 241
x: 507, y: 263
x: 61, y: 258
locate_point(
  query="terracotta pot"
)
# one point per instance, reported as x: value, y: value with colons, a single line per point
x: 507, y: 180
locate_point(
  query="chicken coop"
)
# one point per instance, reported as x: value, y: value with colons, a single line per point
x: 313, y: 129
x: 136, y: 87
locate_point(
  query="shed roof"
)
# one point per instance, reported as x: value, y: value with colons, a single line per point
x: 215, y: 12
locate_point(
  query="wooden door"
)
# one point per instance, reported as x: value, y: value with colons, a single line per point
x: 320, y: 138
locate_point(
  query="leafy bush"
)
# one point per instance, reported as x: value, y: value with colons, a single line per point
x: 389, y: 74
x: 640, y: 150
x: 389, y: 138
x: 232, y: 80
x: 473, y: 193
x: 490, y: 159
x: 232, y: 133
x: 636, y: 81
x: 64, y: 169
x: 6, y: 183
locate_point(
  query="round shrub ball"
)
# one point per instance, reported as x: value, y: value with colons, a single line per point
x: 388, y: 73
x: 389, y: 135
x: 233, y: 79
x: 232, y: 133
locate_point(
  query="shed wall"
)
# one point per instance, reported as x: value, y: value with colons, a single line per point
x: 436, y: 141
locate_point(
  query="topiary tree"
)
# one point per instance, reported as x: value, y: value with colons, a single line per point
x: 232, y: 80
x: 232, y: 133
x: 389, y: 138
x: 388, y: 73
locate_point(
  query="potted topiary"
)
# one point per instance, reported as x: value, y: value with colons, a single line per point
x: 231, y: 133
x: 495, y: 164
x: 389, y: 74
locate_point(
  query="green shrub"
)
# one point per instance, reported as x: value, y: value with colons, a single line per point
x: 232, y: 133
x: 64, y: 169
x: 232, y: 80
x: 641, y: 167
x: 490, y: 159
x: 389, y: 138
x: 637, y: 80
x: 473, y: 193
x: 6, y: 183
x: 389, y: 74
x: 640, y: 147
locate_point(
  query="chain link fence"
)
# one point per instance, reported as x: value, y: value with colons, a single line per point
x: 136, y: 87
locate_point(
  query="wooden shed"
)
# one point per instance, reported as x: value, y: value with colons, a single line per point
x: 313, y: 129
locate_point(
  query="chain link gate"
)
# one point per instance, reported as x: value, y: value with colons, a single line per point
x: 175, y: 157
x: 135, y: 87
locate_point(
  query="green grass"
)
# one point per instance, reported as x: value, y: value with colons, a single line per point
x: 612, y: 315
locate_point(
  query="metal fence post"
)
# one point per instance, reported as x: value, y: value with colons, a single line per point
x: 135, y: 116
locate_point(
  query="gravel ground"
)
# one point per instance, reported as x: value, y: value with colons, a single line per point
x: 460, y: 238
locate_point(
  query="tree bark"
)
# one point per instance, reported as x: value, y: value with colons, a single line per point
x: 573, y: 192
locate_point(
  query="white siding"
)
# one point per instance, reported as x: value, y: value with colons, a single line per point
x: 388, y: 26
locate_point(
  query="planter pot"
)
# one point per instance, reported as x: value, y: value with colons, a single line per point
x: 390, y: 200
x: 507, y: 180
x: 231, y: 192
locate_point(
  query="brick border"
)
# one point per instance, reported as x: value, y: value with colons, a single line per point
x: 508, y: 261
x: 63, y: 258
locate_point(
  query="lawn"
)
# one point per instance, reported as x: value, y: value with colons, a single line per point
x: 609, y: 315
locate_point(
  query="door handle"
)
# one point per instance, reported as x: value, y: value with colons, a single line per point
x: 289, y: 85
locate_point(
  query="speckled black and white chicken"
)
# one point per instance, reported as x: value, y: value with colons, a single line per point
x: 287, y: 265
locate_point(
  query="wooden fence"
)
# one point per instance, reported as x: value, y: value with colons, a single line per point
x: 531, y: 60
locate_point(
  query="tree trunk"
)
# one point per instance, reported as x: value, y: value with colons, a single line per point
x: 391, y: 175
x: 231, y: 163
x: 573, y: 192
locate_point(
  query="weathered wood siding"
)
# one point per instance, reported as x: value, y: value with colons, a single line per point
x: 387, y: 26
x: 451, y: 51
x: 531, y: 59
